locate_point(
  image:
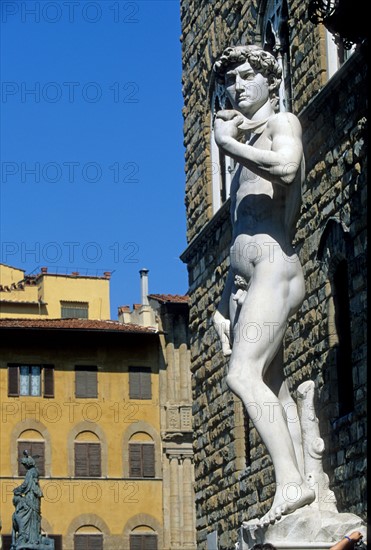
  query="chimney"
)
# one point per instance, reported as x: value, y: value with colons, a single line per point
x: 144, y: 286
x: 44, y: 270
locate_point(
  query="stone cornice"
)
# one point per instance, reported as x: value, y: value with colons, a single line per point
x: 209, y: 229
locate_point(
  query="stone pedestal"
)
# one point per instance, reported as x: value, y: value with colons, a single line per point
x: 304, y: 529
x: 45, y: 544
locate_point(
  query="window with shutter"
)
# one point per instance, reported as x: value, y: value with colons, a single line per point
x: 74, y: 310
x: 143, y: 542
x: 140, y: 383
x: 88, y: 460
x: 141, y: 460
x: 37, y: 450
x: 88, y: 542
x: 86, y: 382
x: 25, y: 380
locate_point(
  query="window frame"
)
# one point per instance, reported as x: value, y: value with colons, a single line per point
x: 336, y: 54
x: 74, y: 308
x: 47, y: 385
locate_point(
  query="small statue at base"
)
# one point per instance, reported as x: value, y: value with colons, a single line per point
x: 26, y: 519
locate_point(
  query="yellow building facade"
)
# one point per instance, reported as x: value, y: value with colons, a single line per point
x: 53, y: 295
x: 105, y: 406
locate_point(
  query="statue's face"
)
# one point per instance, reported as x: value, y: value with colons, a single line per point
x: 246, y: 89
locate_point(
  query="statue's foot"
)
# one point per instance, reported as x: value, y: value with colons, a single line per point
x: 283, y: 506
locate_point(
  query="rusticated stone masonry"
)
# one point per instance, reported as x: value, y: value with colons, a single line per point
x: 234, y: 477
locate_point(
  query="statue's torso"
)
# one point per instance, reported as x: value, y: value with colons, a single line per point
x: 264, y: 214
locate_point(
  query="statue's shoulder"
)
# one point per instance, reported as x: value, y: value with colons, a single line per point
x: 281, y: 122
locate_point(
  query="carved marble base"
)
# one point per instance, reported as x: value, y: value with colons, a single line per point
x: 304, y: 529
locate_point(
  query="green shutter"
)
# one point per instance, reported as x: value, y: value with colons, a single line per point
x: 140, y: 383
x: 146, y: 390
x: 86, y: 382
x: 91, y: 382
x: 81, y: 542
x: 135, y: 542
x: 37, y: 450
x: 143, y: 542
x: 81, y: 460
x: 148, y: 455
x: 95, y: 542
x: 88, y: 542
x: 7, y: 542
x: 38, y: 453
x: 149, y: 542
x: 94, y: 453
x: 57, y: 541
x: 134, y: 383
x: 48, y: 381
x: 135, y: 460
x: 13, y: 381
x: 80, y: 386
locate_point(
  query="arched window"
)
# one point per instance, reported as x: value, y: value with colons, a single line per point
x: 340, y: 289
x: 336, y: 54
x: 334, y: 251
x: 143, y: 537
x: 141, y: 456
x: 88, y: 537
x: 33, y: 442
x: 87, y: 455
x: 275, y: 39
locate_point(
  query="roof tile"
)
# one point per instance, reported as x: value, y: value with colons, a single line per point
x: 75, y: 324
x: 172, y: 298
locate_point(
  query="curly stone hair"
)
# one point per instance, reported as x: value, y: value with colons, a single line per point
x: 259, y: 59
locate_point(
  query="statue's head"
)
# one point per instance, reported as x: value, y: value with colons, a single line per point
x: 260, y: 61
x: 27, y: 460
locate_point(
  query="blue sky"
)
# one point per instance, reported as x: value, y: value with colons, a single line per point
x: 92, y: 152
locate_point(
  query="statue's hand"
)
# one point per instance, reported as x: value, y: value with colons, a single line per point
x: 223, y: 328
x: 226, y: 126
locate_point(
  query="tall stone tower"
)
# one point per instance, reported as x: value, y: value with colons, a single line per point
x: 324, y: 85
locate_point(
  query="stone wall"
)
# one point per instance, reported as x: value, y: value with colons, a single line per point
x: 234, y: 478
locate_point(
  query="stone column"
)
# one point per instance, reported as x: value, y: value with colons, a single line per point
x: 188, y: 504
x: 174, y: 503
x: 184, y: 373
x: 170, y: 359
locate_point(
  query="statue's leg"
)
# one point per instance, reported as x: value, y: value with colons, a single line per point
x: 258, y: 336
x: 275, y: 379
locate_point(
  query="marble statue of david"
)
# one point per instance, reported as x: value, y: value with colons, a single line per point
x: 265, y: 283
